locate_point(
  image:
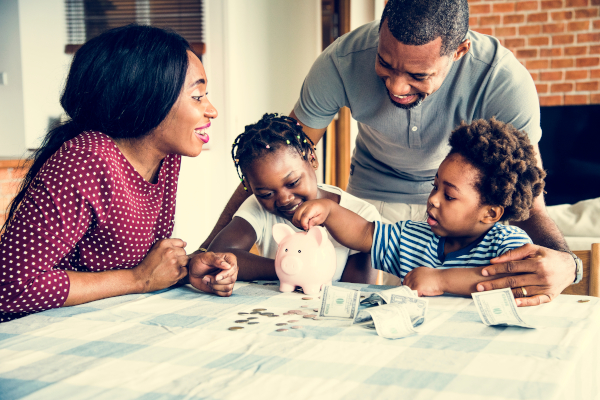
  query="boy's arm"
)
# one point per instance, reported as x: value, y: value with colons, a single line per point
x: 435, y: 282
x: 347, y: 227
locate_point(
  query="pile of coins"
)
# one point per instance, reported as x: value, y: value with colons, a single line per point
x: 253, y: 315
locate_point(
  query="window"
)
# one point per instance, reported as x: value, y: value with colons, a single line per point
x: 89, y: 18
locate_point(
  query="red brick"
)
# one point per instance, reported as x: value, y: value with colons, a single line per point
x: 539, y: 41
x: 551, y: 52
x: 513, y: 19
x: 588, y: 37
x: 575, y: 50
x: 504, y: 7
x: 484, y: 31
x: 576, y: 99
x: 489, y: 20
x: 577, y: 3
x: 473, y: 21
x: 561, y: 87
x: 547, y: 4
x: 551, y: 100
x: 562, y: 63
x: 480, y: 9
x: 551, y: 76
x: 541, y: 87
x: 586, y: 13
x: 587, y: 86
x: 527, y: 5
x: 595, y: 49
x: 506, y: 31
x: 578, y: 26
x: 553, y: 28
x: 536, y: 64
x: 595, y: 98
x: 587, y: 62
x: 576, y: 75
x: 596, y: 2
x: 538, y: 17
x: 527, y: 53
x: 519, y: 42
x: 562, y: 39
x: 530, y: 29
x: 595, y: 73
x: 534, y: 76
x: 561, y: 15
x: 596, y: 24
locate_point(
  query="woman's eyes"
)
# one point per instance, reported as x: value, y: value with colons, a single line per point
x: 448, y: 197
x: 199, y: 98
x: 295, y: 183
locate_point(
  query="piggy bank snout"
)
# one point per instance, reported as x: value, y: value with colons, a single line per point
x: 291, y: 265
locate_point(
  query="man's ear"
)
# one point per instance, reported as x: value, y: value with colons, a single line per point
x: 492, y: 214
x: 463, y: 48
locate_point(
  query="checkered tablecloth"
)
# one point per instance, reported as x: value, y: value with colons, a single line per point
x: 175, y: 344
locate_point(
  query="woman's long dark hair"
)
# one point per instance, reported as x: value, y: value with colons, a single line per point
x: 122, y: 83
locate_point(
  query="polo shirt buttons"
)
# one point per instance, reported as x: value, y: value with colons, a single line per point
x: 414, y: 128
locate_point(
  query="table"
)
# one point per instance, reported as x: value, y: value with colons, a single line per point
x: 175, y: 344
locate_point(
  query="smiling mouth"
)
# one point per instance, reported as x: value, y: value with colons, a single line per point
x: 290, y: 211
x: 406, y: 101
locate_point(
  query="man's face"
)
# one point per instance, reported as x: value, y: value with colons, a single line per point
x: 411, y: 73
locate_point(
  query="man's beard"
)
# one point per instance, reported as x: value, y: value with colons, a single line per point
x: 407, y: 106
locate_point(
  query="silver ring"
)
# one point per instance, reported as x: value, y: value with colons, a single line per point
x: 524, y: 291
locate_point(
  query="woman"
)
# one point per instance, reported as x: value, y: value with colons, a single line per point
x: 95, y: 212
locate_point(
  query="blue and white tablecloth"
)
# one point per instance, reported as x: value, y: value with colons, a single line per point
x: 175, y: 344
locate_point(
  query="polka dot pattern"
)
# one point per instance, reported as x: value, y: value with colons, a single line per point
x: 87, y: 210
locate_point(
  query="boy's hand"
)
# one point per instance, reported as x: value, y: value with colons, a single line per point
x: 312, y: 213
x: 426, y: 281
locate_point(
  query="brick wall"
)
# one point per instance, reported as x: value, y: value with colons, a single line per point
x: 10, y: 179
x: 558, y: 41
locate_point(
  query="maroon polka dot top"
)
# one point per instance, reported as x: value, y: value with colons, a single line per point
x: 88, y: 210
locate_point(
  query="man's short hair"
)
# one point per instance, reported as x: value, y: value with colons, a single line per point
x: 418, y: 22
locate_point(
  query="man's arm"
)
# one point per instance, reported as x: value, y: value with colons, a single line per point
x: 314, y: 134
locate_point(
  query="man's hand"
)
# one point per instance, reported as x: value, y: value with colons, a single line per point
x: 542, y: 272
x: 213, y: 272
x: 426, y: 281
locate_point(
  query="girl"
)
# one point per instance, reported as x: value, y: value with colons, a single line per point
x: 490, y: 175
x: 276, y: 161
x: 95, y: 212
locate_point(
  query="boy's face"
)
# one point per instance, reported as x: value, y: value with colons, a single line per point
x: 282, y: 180
x: 453, y: 207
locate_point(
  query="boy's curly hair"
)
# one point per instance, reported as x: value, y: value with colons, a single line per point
x: 509, y: 175
x: 268, y: 135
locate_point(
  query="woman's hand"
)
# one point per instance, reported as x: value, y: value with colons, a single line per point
x: 312, y: 213
x: 213, y: 272
x: 426, y: 281
x: 163, y: 266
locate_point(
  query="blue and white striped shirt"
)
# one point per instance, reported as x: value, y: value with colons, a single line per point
x: 401, y: 247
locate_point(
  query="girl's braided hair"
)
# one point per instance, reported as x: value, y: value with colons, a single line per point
x: 509, y: 175
x: 269, y: 134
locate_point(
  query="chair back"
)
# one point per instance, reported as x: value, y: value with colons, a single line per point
x: 590, y: 284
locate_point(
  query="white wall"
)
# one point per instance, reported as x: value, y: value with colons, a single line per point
x: 258, y: 54
x: 12, y: 121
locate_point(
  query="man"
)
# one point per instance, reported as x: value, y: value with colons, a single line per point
x: 408, y: 81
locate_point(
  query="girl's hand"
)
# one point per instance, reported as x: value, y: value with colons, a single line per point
x: 163, y: 266
x: 426, y: 281
x: 312, y: 213
x: 214, y: 272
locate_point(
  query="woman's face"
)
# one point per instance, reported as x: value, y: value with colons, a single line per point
x: 185, y: 129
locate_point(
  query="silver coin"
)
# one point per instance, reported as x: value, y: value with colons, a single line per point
x: 239, y: 321
x: 253, y: 322
x: 282, y: 330
x: 281, y: 324
x: 252, y: 318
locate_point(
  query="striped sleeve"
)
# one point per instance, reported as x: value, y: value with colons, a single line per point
x: 515, y: 237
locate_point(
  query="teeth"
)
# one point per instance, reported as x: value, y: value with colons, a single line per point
x: 201, y: 131
x: 402, y: 97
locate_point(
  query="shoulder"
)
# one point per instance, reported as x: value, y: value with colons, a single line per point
x: 506, y: 233
x: 363, y: 38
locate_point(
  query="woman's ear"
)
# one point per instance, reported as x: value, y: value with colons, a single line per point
x: 492, y: 214
x: 314, y: 161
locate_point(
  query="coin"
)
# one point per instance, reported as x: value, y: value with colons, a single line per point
x: 315, y: 309
x: 239, y: 321
x: 252, y: 318
x: 236, y: 328
x: 307, y: 298
x: 295, y: 311
x: 296, y: 327
x: 253, y: 322
x: 363, y: 297
x: 582, y: 301
x: 260, y: 309
x: 282, y: 330
x: 242, y: 313
x: 308, y: 316
x: 293, y: 320
x: 281, y: 324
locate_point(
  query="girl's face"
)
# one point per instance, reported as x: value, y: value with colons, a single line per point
x: 453, y: 207
x: 282, y: 180
x: 185, y: 129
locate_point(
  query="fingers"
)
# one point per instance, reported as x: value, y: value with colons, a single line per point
x: 530, y: 265
x: 511, y: 281
x: 533, y: 300
x: 308, y: 215
x: 519, y: 253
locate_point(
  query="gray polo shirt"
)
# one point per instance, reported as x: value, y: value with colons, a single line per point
x: 398, y: 151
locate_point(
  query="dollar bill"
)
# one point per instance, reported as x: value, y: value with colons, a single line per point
x: 392, y: 321
x: 383, y: 297
x: 415, y: 306
x: 339, y: 303
x: 497, y: 307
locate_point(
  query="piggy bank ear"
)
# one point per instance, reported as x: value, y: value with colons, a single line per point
x: 318, y: 233
x: 281, y: 231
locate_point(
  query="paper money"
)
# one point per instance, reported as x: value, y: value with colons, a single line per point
x: 339, y: 303
x: 416, y: 307
x: 392, y: 321
x: 497, y: 307
x: 383, y: 297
